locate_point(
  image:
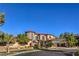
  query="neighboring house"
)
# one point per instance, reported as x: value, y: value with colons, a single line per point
x: 60, y: 42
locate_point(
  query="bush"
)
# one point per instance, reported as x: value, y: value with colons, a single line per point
x: 49, y: 44
x: 27, y: 46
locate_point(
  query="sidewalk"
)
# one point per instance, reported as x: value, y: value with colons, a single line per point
x: 3, y: 50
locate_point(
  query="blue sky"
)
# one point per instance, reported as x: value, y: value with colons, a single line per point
x: 42, y: 18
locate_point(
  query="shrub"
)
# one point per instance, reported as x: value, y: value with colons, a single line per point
x: 21, y: 47
x: 49, y: 44
x: 27, y: 46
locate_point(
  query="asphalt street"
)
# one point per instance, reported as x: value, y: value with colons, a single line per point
x: 46, y: 53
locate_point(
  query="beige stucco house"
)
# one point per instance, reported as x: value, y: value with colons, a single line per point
x: 39, y: 38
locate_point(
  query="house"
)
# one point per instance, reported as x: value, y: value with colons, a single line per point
x: 40, y: 38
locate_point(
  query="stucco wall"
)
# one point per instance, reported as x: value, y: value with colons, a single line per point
x: 33, y: 36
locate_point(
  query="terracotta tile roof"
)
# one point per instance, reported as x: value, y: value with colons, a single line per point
x: 39, y: 33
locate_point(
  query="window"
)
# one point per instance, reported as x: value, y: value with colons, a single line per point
x: 42, y: 37
x: 36, y: 37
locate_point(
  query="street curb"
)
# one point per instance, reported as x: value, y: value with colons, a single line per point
x: 22, y: 52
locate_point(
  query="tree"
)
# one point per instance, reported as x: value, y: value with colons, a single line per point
x: 5, y: 38
x: 72, y: 41
x: 70, y: 37
x: 8, y: 38
x: 1, y: 19
x: 23, y: 39
x: 64, y: 35
x: 61, y: 36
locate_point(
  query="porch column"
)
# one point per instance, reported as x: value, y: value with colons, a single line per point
x: 39, y: 44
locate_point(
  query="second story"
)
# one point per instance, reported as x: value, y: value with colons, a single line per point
x: 39, y: 36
